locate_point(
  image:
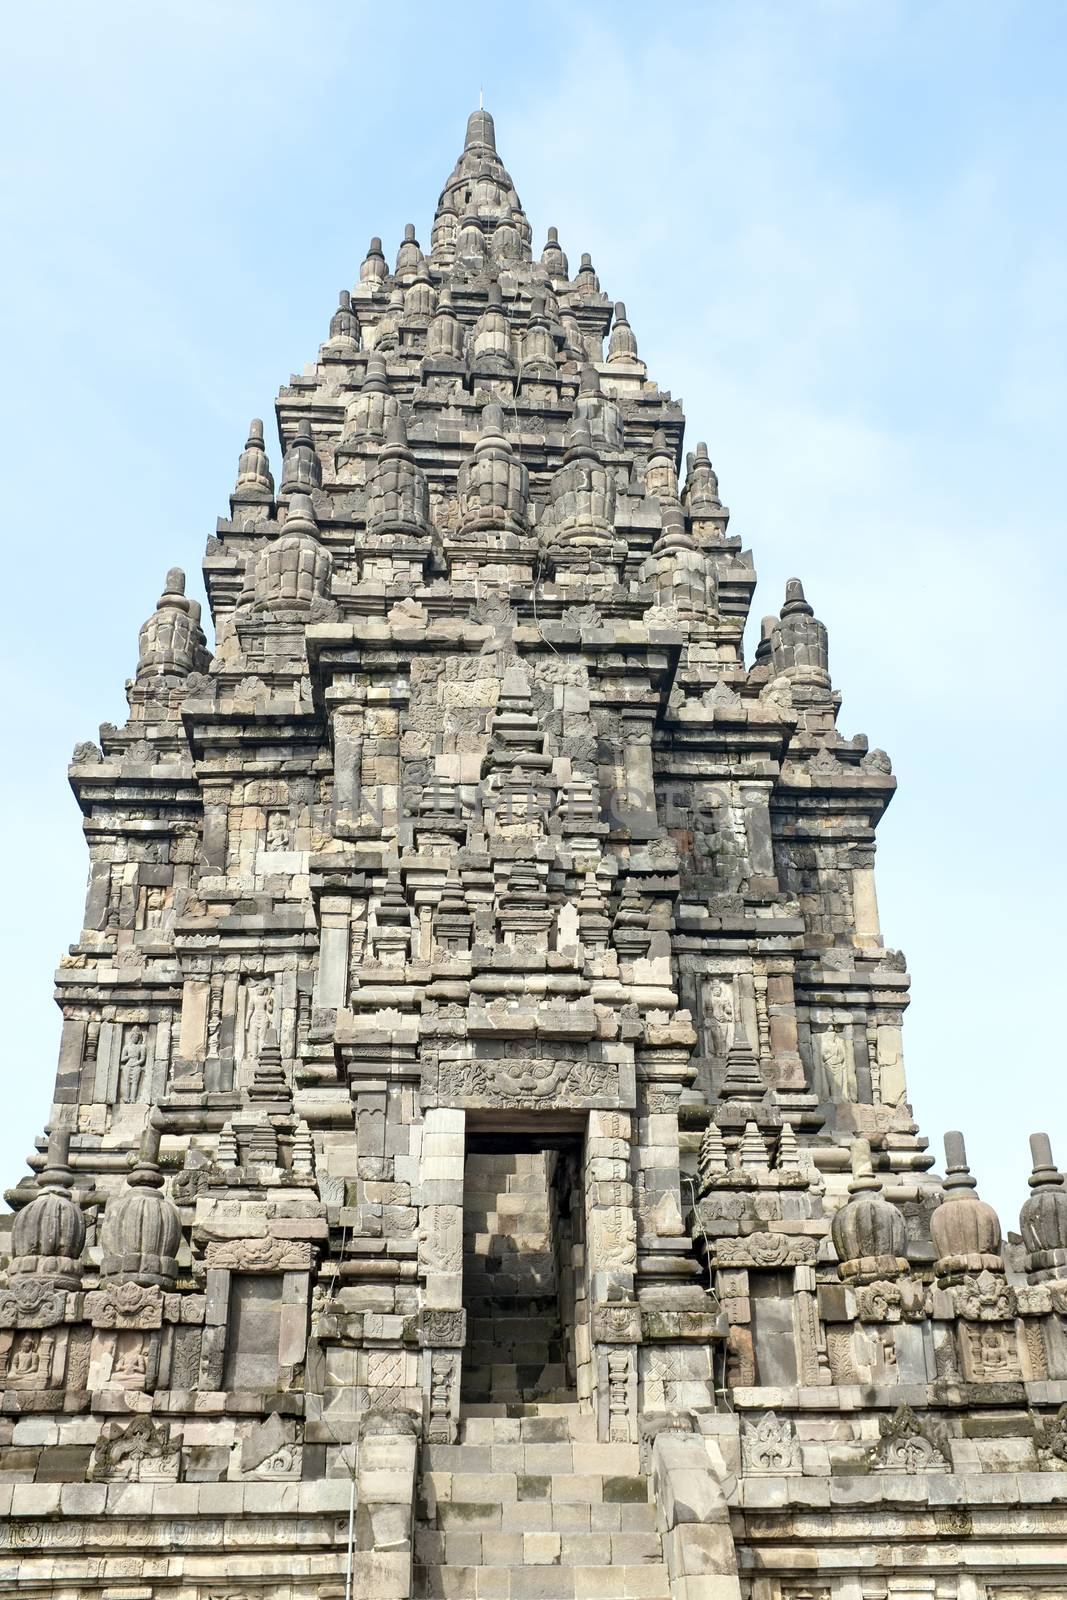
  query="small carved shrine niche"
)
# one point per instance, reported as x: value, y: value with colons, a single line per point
x: 254, y: 1331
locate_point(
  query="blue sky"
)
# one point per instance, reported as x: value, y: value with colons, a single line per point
x: 839, y: 229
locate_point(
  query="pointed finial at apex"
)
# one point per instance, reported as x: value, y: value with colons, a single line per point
x: 376, y: 377
x: 795, y: 600
x: 481, y: 132
x: 492, y: 419
x: 1044, y: 1167
x: 301, y: 517
x: 957, y: 1172
x: 553, y: 236
x: 255, y: 433
x: 862, y: 1167
x: 395, y: 431
x: 409, y: 233
x: 175, y: 581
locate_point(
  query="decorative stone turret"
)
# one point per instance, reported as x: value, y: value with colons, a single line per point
x: 48, y: 1235
x: 1043, y: 1218
x: 409, y: 256
x: 301, y: 469
x: 294, y: 571
x: 370, y: 412
x: 493, y: 485
x: 579, y: 523
x: 742, y: 1085
x: 965, y: 1230
x: 170, y: 644
x: 798, y: 643
x: 868, y: 1232
x: 141, y: 1230
x: 622, y: 346
x: 538, y: 346
x: 678, y: 570
x: 452, y: 922
x: 253, y: 493
x: 553, y: 259
x: 601, y: 414
x: 661, y: 472
x: 490, y: 343
x: 587, y: 282
x: 701, y: 493
x: 420, y: 300
x: 374, y: 267
x: 444, y: 337
x: 344, y: 327
x: 398, y: 499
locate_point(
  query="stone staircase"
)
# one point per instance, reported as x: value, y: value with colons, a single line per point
x: 515, y: 1352
x: 530, y: 1507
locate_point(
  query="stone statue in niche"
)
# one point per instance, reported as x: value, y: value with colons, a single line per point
x: 839, y: 1069
x: 153, y: 906
x: 30, y: 1360
x: 131, y: 1360
x: 132, y: 1063
x: 722, y: 1015
x: 259, y: 1016
x: 722, y: 846
x: 278, y: 831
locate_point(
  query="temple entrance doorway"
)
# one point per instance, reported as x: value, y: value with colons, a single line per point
x: 524, y: 1283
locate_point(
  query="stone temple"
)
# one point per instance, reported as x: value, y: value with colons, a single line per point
x: 480, y: 1162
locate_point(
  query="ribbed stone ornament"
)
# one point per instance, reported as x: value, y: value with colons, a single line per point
x: 398, y: 498
x: 370, y: 412
x: 1043, y: 1217
x: 294, y: 571
x: 48, y: 1234
x: 170, y: 641
x: 799, y: 646
x: 965, y: 1230
x: 493, y: 484
x: 254, y: 479
x: 141, y: 1230
x: 301, y: 468
x: 868, y: 1232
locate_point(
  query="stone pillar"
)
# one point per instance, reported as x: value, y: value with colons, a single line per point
x: 441, y: 1267
x: 348, y: 807
x: 611, y: 1265
x: 331, y: 988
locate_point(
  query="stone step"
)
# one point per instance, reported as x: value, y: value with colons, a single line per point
x: 481, y: 1548
x: 543, y: 1581
x: 546, y: 1516
x: 539, y: 1425
x: 538, y: 1457
x: 466, y: 1502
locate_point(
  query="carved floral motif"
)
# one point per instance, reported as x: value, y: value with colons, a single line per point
x: 29, y: 1304
x: 906, y: 1445
x: 770, y: 1445
x: 259, y: 1255
x: 125, y: 1305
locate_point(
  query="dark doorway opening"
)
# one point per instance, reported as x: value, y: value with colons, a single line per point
x: 523, y: 1283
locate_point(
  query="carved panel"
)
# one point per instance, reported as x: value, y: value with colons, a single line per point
x: 31, y: 1305
x: 259, y: 1255
x: 530, y: 1081
x: 125, y: 1305
x: 764, y: 1250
